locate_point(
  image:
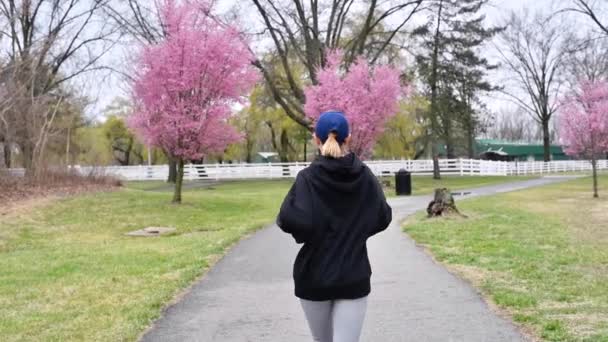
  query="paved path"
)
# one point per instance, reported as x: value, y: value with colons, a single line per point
x: 248, y: 295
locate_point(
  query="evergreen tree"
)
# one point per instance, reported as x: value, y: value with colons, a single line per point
x: 452, y: 69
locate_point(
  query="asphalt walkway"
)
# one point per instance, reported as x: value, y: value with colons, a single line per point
x: 248, y: 295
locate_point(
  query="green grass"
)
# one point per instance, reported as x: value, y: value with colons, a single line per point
x: 541, y: 254
x: 68, y: 272
x: 159, y: 185
x: 423, y: 185
x: 146, y: 185
x: 426, y: 185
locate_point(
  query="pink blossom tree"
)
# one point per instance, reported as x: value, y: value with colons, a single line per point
x: 186, y: 84
x: 367, y: 96
x: 584, y: 124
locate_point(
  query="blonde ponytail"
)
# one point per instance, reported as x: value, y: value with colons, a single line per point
x: 331, y: 148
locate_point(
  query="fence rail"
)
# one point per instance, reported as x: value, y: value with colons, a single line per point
x: 463, y: 167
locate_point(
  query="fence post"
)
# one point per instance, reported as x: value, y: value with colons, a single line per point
x: 270, y: 170
x: 542, y: 168
x: 460, y: 167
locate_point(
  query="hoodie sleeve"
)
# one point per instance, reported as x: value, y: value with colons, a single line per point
x: 385, y: 212
x: 295, y: 216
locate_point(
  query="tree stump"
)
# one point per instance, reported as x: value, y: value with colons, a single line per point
x: 443, y: 204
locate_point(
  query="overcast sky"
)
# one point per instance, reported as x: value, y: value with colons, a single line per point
x: 104, y: 88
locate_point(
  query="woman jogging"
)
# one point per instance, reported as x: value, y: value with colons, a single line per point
x: 334, y: 206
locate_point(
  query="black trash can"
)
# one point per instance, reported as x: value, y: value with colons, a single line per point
x: 403, y: 182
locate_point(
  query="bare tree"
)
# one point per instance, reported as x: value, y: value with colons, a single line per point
x: 5, y: 133
x: 533, y: 55
x: 50, y: 43
x: 138, y: 19
x: 303, y: 32
x: 586, y: 54
x: 591, y: 10
x: 34, y: 121
x: 586, y: 58
x: 510, y: 125
x: 64, y: 37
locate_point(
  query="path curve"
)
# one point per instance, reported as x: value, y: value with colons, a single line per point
x: 248, y: 295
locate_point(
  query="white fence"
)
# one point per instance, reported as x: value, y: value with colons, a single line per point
x: 463, y: 167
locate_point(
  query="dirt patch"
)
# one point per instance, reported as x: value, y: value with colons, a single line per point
x: 152, y: 231
x: 589, y: 225
x: 21, y: 194
x: 583, y: 324
x: 473, y: 274
x: 599, y: 217
x: 564, y: 305
x: 586, y: 217
x: 20, y: 207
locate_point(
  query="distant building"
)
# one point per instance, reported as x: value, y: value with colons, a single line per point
x: 266, y: 157
x: 510, y: 151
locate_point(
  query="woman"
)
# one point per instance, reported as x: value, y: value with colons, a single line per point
x: 334, y: 206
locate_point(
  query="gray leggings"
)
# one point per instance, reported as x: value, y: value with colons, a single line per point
x: 335, y: 320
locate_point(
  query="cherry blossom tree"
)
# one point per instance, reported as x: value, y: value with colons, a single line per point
x: 187, y: 82
x: 367, y: 96
x: 584, y: 124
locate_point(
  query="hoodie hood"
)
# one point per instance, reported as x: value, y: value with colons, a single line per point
x: 339, y: 174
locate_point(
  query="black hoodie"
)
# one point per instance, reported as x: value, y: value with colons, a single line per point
x: 334, y: 206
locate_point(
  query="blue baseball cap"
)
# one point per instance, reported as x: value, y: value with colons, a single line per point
x: 332, y: 121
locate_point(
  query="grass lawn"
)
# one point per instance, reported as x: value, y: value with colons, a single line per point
x: 541, y: 254
x: 421, y: 185
x: 68, y: 272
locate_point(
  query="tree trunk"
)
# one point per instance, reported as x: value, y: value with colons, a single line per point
x: 128, y: 153
x: 436, y: 170
x: 450, y: 150
x: 177, y: 195
x: 434, y: 114
x: 449, y: 143
x: 449, y: 147
x: 546, y: 141
x: 7, y: 154
x: 442, y: 204
x: 595, y: 186
x: 27, y: 154
x: 249, y: 147
x: 67, y: 148
x: 172, y: 170
x: 305, y: 151
x: 281, y: 146
x: 283, y: 153
x: 471, y: 138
